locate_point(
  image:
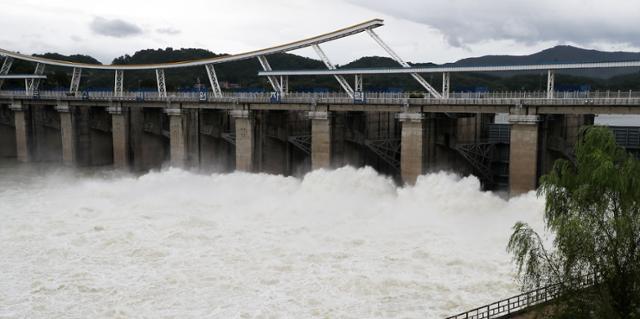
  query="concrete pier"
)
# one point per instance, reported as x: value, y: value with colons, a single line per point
x: 523, y: 156
x: 177, y: 143
x: 321, y: 140
x: 293, y: 139
x: 67, y: 134
x: 120, y: 135
x: 244, y: 140
x: 23, y: 147
x: 412, y: 147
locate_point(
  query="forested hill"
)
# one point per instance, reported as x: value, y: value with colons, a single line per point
x: 559, y: 54
x: 242, y: 75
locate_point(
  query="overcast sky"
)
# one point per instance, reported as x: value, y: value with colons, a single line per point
x: 419, y: 30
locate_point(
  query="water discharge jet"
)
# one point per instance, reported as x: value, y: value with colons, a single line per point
x: 346, y: 243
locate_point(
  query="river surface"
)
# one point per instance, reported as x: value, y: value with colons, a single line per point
x: 346, y: 243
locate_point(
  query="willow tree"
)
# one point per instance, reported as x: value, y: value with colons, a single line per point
x: 592, y: 215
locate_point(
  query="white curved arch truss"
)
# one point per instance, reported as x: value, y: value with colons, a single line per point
x: 327, y: 37
x: 280, y: 86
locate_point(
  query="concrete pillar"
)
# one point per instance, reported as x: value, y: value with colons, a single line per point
x: 120, y: 135
x: 23, y: 147
x: 523, y: 156
x: 244, y: 140
x: 321, y: 135
x: 412, y: 146
x: 67, y: 134
x: 177, y: 142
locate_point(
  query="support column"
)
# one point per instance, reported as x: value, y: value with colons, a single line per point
x: 523, y: 156
x: 67, y: 133
x: 244, y: 140
x: 412, y: 146
x: 120, y: 133
x: 177, y: 142
x: 23, y: 147
x: 321, y: 135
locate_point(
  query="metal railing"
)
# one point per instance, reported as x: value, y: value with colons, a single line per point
x: 522, y: 302
x: 404, y: 98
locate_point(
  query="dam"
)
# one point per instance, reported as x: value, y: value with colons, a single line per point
x: 345, y: 204
x: 402, y: 135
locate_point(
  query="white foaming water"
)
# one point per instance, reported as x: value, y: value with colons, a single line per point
x: 337, y: 244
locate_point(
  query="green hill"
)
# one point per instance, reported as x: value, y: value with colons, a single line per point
x: 242, y: 75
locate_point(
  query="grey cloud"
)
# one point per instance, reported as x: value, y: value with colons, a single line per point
x: 168, y: 30
x: 464, y: 22
x: 114, y: 27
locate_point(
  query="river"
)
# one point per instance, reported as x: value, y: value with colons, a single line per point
x: 346, y: 243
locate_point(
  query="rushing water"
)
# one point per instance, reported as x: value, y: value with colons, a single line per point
x: 336, y: 244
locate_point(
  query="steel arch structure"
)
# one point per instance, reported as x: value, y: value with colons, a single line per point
x: 279, y: 79
x: 278, y: 83
x: 327, y: 37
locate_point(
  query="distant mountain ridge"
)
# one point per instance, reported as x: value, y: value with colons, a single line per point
x: 243, y: 74
x: 556, y: 55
